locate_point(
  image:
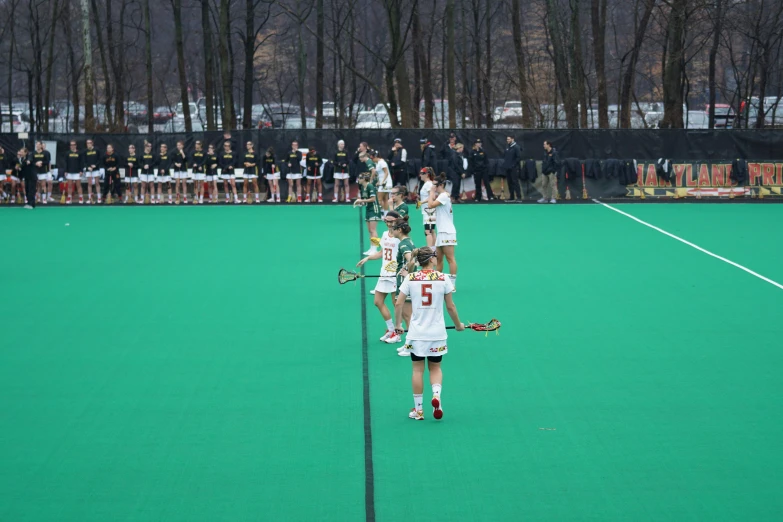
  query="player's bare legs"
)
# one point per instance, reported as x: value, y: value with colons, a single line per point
x: 436, y: 381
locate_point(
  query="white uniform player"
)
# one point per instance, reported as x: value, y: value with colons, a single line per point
x: 427, y: 329
x: 387, y: 283
x: 444, y: 221
x: 424, y: 194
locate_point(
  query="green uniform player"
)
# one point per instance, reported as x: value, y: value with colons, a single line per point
x: 401, y: 209
x: 369, y: 192
x: 404, y: 247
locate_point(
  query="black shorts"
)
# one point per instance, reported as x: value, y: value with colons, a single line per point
x: 429, y: 227
x: 435, y: 358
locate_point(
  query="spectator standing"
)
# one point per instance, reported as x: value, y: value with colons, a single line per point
x: 512, y: 156
x: 428, y: 158
x: 398, y: 161
x: 478, y: 165
x: 341, y: 173
x: 25, y: 172
x: 549, y: 168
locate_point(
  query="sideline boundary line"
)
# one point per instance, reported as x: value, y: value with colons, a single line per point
x: 369, y: 469
x: 692, y: 245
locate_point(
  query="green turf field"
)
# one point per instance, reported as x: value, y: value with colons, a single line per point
x: 203, y: 364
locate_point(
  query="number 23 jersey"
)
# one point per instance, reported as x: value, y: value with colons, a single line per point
x: 427, y: 290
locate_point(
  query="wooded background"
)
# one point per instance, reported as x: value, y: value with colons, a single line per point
x: 476, y: 54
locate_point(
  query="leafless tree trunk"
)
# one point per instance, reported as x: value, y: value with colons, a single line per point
x: 674, y: 67
x: 89, y: 98
x: 426, y: 73
x: 598, y: 19
x: 488, y: 72
x: 104, y: 67
x: 450, y: 81
x: 50, y: 61
x: 560, y: 53
x: 476, y: 101
x: 319, y: 65
x: 224, y: 38
x: 716, y: 29
x: 629, y: 75
x: 183, y: 81
x: 209, y: 65
x: 148, y: 63
x: 516, y: 29
x: 577, y: 67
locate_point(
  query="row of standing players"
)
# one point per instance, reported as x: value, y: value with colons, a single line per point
x: 418, y: 296
x: 148, y: 173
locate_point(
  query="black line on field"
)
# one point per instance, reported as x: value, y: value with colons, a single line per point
x: 369, y: 472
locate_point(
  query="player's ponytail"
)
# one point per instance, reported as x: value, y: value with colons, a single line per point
x: 402, y: 225
x: 441, y: 179
x: 423, y: 255
x: 429, y: 173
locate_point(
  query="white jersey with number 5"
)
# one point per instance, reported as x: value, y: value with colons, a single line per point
x: 389, y: 246
x: 427, y: 289
x: 444, y: 215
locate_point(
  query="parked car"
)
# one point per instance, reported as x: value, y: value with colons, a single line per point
x: 329, y: 112
x: 162, y: 115
x: 135, y: 113
x: 697, y: 120
x: 372, y: 120
x: 724, y: 115
x: 15, y: 121
x: 512, y: 111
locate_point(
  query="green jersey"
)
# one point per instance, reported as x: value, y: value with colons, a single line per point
x: 404, y: 247
x: 402, y: 210
x: 373, y: 208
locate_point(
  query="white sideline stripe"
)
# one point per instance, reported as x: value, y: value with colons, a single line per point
x: 697, y: 247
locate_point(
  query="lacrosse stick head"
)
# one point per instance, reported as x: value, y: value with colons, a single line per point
x: 491, y: 326
x: 344, y: 276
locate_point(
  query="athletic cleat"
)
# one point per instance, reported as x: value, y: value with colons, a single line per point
x: 320, y: 199
x: 184, y: 200
x: 416, y: 414
x: 370, y: 252
x: 372, y: 292
x: 553, y: 200
x: 388, y: 334
x: 270, y: 200
x: 334, y: 200
x: 307, y: 198
x: 542, y: 200
x: 298, y: 199
x: 404, y: 350
x: 394, y: 338
x: 436, y: 411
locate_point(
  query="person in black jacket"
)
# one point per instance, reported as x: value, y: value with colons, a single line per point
x: 198, y: 161
x: 227, y: 161
x: 93, y: 170
x: 478, y: 165
x: 398, y: 163
x: 165, y: 160
x: 428, y: 158
x: 342, y: 175
x: 511, y: 158
x: 25, y: 172
x: 457, y: 168
x: 211, y: 165
x: 73, y: 173
x: 149, y: 162
x: 272, y: 174
x: 131, y: 162
x: 549, y: 168
x: 112, y: 184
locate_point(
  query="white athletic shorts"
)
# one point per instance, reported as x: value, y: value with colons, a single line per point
x: 386, y: 286
x: 163, y: 179
x: 428, y: 348
x: 341, y: 175
x: 315, y: 177
x: 134, y: 179
x: 179, y: 174
x: 147, y: 178
x: 45, y: 177
x: 227, y: 176
x: 14, y: 179
x: 387, y: 187
x: 429, y: 219
x: 273, y: 177
x: 293, y: 175
x: 98, y: 173
x: 445, y: 239
x: 211, y: 178
x: 73, y: 176
x: 199, y: 176
x: 251, y: 176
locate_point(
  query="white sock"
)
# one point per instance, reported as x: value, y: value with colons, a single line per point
x: 390, y: 325
x: 436, y: 390
x: 418, y: 400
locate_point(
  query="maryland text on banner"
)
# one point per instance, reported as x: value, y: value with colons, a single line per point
x: 709, y: 179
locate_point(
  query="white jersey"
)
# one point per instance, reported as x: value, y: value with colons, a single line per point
x: 427, y: 289
x: 389, y: 246
x: 444, y: 215
x: 379, y: 169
